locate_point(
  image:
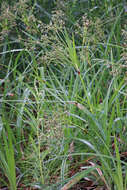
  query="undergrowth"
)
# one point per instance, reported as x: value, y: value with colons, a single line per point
x: 63, y: 95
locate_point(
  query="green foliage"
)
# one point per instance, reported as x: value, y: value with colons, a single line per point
x: 63, y: 94
x: 7, y: 155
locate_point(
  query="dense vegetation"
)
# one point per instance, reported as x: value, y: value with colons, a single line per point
x: 63, y: 94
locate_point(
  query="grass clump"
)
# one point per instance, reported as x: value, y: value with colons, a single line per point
x: 63, y: 95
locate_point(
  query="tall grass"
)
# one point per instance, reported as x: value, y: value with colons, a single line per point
x: 63, y: 95
x: 7, y: 155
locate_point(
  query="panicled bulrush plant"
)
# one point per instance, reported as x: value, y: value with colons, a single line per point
x: 7, y: 21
